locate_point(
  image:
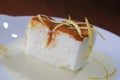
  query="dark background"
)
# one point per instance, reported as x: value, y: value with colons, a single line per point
x: 103, y: 13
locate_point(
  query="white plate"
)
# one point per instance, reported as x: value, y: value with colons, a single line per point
x: 13, y: 28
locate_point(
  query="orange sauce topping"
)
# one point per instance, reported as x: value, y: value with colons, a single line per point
x: 70, y: 30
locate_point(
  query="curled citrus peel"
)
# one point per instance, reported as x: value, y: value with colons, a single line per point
x: 26, y: 31
x: 3, y: 49
x: 69, y: 17
x: 90, y: 32
x: 107, y: 75
x: 70, y: 22
x: 94, y: 30
x: 75, y: 25
x: 113, y: 72
x: 41, y: 19
x: 59, y: 25
x: 52, y: 20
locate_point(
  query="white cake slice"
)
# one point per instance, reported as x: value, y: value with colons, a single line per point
x: 58, y: 43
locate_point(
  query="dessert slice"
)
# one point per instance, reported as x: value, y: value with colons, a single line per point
x: 64, y: 43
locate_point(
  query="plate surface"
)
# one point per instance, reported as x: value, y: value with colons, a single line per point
x: 13, y: 28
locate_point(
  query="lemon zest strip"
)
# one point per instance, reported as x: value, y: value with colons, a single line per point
x: 90, y: 38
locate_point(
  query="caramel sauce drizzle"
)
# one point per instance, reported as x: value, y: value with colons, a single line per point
x: 70, y: 30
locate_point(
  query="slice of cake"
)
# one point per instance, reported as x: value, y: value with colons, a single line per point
x: 64, y: 43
